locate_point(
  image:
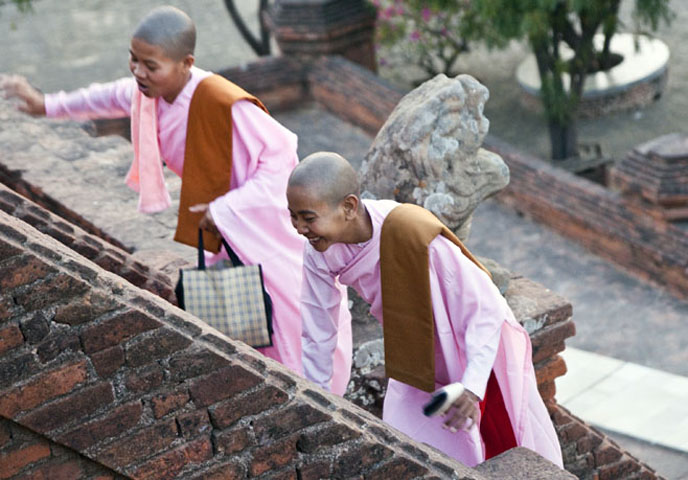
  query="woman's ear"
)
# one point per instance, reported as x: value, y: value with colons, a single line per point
x: 188, y: 61
x: 350, y: 204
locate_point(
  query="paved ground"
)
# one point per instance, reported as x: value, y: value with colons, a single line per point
x: 65, y: 44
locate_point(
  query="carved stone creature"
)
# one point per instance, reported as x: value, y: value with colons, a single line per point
x: 428, y: 152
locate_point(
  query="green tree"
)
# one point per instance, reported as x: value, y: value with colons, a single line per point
x: 22, y: 5
x: 549, y: 24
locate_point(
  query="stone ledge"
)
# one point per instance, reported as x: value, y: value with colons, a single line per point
x: 519, y: 463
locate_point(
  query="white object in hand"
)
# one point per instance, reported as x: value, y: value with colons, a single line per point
x: 442, y: 399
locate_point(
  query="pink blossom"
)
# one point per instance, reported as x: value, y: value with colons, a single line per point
x: 426, y: 13
x: 414, y: 36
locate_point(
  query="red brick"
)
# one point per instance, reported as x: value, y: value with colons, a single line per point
x: 52, y: 290
x: 17, y: 368
x: 193, y: 424
x: 10, y: 337
x: 397, y: 468
x: 54, y: 471
x: 331, y: 434
x: 63, y: 411
x: 35, y: 328
x: 233, y: 441
x: 116, y: 422
x: 42, y: 388
x: 227, y: 471
x: 169, y: 464
x: 222, y: 384
x: 621, y: 469
x: 226, y: 413
x: 315, y: 471
x: 84, y: 309
x: 57, y: 343
x: 289, y: 420
x: 106, y: 362
x: 145, y: 379
x: 274, y: 456
x: 159, y: 344
x: 14, y: 461
x: 360, y: 458
x: 23, y: 270
x: 606, y: 453
x: 115, y: 330
x: 140, y: 445
x: 588, y: 443
x: 185, y: 365
x: 166, y: 403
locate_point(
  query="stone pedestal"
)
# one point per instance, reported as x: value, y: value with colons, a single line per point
x: 313, y: 28
x: 656, y: 173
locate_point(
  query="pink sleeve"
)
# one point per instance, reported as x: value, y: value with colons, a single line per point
x: 99, y: 100
x: 320, y: 307
x: 476, y: 307
x: 255, y: 210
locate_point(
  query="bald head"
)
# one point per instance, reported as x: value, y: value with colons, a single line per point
x: 326, y: 175
x: 170, y: 29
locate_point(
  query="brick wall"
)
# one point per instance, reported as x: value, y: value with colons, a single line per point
x: 603, y: 221
x: 111, y: 372
x: 95, y: 248
x: 25, y: 454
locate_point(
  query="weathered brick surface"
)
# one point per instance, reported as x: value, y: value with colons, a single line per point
x: 222, y: 384
x: 10, y: 337
x: 120, y: 419
x: 227, y: 413
x: 41, y: 388
x: 14, y: 461
x: 117, y: 329
x: 73, y: 407
x: 602, y: 220
x: 169, y: 464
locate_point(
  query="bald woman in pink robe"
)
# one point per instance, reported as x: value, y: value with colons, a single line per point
x: 475, y: 330
x: 252, y: 216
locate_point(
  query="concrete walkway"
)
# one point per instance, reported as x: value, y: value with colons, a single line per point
x: 625, y: 327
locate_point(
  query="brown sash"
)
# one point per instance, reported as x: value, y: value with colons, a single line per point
x: 408, y: 322
x: 208, y: 154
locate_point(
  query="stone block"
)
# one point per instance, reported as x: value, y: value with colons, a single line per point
x: 139, y: 445
x: 117, y: 329
x: 10, y: 337
x: 290, y: 419
x: 169, y: 464
x: 43, y: 387
x: 222, y: 384
x: 106, y: 362
x: 75, y: 406
x: 225, y: 414
x: 15, y: 460
x: 112, y: 425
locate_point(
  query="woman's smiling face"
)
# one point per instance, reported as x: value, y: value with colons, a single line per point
x: 321, y: 223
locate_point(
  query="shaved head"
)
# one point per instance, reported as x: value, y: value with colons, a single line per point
x: 326, y: 175
x: 170, y: 29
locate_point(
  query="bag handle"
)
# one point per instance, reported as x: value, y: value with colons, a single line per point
x: 201, y: 252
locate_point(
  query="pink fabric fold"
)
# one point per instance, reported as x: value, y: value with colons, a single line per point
x: 145, y: 175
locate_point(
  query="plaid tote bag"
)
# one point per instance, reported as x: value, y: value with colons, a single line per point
x: 228, y: 296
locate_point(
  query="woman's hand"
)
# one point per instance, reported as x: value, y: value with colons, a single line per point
x: 16, y: 86
x: 207, y: 223
x: 463, y: 413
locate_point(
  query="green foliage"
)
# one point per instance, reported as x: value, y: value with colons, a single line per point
x: 22, y: 5
x: 548, y: 25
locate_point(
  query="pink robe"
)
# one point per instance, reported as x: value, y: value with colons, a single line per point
x: 475, y: 332
x: 252, y: 216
